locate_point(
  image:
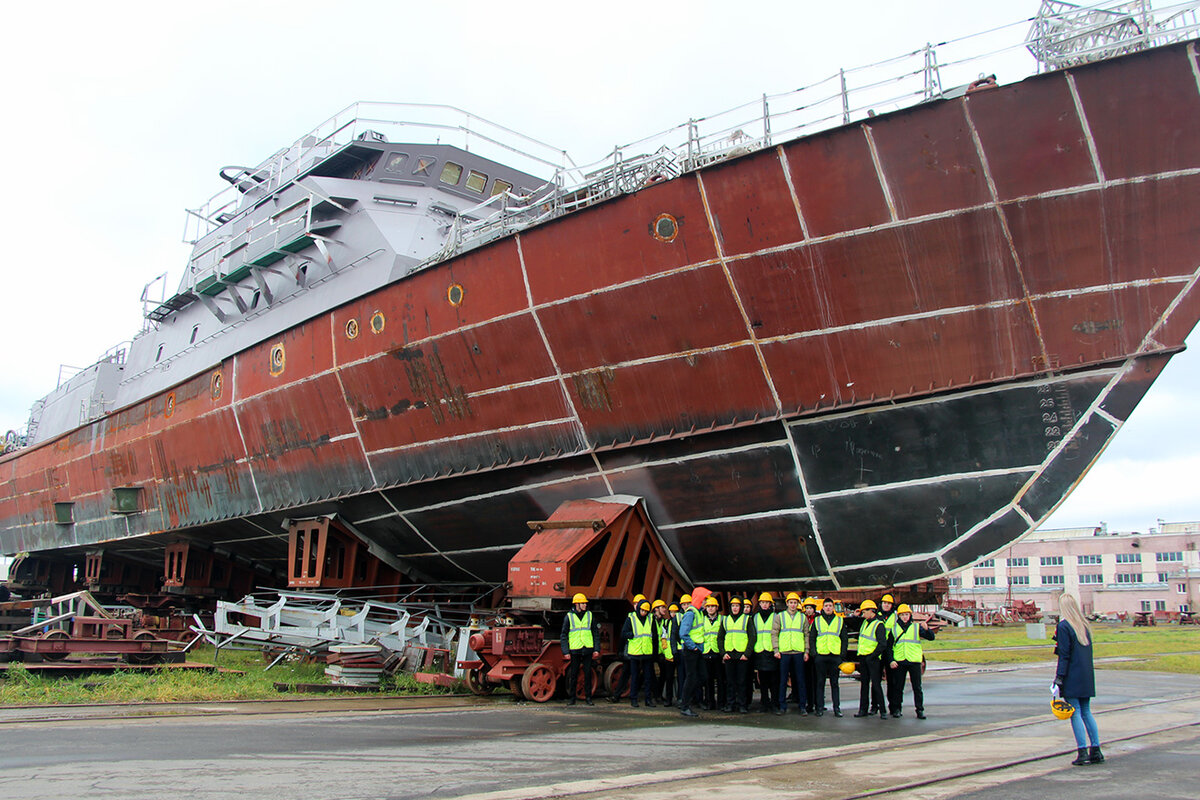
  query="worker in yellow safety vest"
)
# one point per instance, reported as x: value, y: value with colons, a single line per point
x: 666, y: 647
x: 810, y: 607
x: 714, y: 673
x: 638, y: 635
x: 580, y: 633
x: 907, y: 657
x: 766, y: 666
x: 787, y: 640
x: 887, y: 615
x: 623, y: 675
x: 735, y: 653
x: 873, y: 653
x: 827, y: 639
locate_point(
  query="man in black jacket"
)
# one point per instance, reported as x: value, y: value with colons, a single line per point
x: 580, y: 633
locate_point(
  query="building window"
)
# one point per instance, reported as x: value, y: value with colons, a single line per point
x: 1184, y: 608
x: 991, y: 562
x: 1129, y: 558
x: 1181, y: 588
x: 955, y: 581
x: 1019, y: 580
x: 1018, y: 562
x: 1145, y: 605
x: 1163, y: 577
x: 1051, y: 561
x: 1088, y: 559
x: 1129, y: 577
x: 1161, y: 557
x: 1052, y: 580
x: 985, y: 581
x: 1160, y: 605
x: 1091, y: 577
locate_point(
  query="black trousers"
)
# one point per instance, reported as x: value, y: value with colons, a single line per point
x: 913, y: 670
x: 641, y: 671
x: 666, y: 678
x: 810, y: 685
x: 692, y: 668
x: 895, y: 687
x: 827, y: 670
x: 871, y: 694
x: 714, y: 681
x: 737, y: 679
x: 580, y: 658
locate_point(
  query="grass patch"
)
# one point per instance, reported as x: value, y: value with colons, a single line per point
x: 20, y: 686
x: 1167, y: 647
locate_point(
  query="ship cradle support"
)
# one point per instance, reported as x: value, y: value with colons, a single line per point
x: 861, y: 358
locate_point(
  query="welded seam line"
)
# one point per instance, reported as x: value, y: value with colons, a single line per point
x: 337, y: 373
x: 1087, y: 130
x: 787, y: 176
x: 816, y: 528
x: 779, y: 512
x: 712, y: 228
x: 423, y: 538
x: 233, y: 407
x: 474, y: 435
x: 883, y: 184
x: 930, y: 481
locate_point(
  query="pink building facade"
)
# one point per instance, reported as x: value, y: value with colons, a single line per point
x: 1118, y: 573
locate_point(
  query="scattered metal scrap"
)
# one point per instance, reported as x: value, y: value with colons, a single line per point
x: 76, y: 624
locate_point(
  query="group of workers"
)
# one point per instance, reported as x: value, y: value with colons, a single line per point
x: 709, y: 659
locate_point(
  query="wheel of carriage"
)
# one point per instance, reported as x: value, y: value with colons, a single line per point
x: 142, y: 658
x: 538, y: 682
x: 612, y: 676
x: 51, y: 636
x: 514, y: 686
x: 477, y: 681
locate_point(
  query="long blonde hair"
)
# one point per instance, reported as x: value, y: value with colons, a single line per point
x: 1068, y: 607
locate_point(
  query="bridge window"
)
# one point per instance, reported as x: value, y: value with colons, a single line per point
x: 451, y: 173
x: 476, y: 181
x: 500, y: 187
x: 395, y: 162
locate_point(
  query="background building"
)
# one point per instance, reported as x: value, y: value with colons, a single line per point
x: 1110, y: 572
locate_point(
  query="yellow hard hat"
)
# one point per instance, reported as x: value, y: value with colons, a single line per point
x: 711, y: 601
x: 847, y: 667
x: 793, y: 596
x: 887, y: 598
x: 643, y: 604
x: 766, y: 597
x: 637, y: 598
x: 733, y: 600
x: 1061, y: 708
x: 672, y: 607
x: 811, y: 601
x: 903, y: 609
x: 868, y: 604
x: 683, y: 601
x: 579, y: 598
x: 657, y: 604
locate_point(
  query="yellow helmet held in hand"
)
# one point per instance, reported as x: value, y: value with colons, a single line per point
x: 847, y: 667
x: 579, y: 598
x: 1061, y: 708
x: 903, y: 609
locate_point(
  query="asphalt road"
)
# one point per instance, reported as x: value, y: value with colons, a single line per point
x: 504, y: 749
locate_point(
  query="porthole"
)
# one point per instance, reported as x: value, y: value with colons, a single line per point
x: 169, y: 405
x: 377, y: 322
x: 278, y: 359
x: 665, y: 228
x: 352, y: 329
x: 455, y: 294
x: 214, y: 385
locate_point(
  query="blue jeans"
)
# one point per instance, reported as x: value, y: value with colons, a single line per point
x: 791, y: 665
x: 1083, y: 720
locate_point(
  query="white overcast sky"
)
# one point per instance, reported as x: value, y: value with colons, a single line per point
x: 120, y: 114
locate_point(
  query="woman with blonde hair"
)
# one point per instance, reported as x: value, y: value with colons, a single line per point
x: 1075, y: 678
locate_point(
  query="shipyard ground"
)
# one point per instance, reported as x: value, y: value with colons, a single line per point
x: 986, y: 729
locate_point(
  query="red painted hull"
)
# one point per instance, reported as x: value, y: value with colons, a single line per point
x: 952, y: 262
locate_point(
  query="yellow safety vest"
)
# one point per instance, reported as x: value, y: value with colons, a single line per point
x: 908, y: 643
x: 642, y: 643
x: 791, y: 632
x: 736, y: 638
x: 762, y: 642
x: 868, y: 641
x: 712, y: 631
x: 664, y: 638
x: 829, y: 636
x: 580, y: 635
x: 696, y: 632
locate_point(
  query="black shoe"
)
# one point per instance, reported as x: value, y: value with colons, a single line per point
x: 820, y: 712
x: 727, y: 709
x: 883, y: 715
x: 896, y: 715
x: 589, y: 702
x: 1095, y: 756
x: 1082, y: 758
x: 633, y: 704
x: 570, y: 701
x: 779, y: 712
x: 810, y: 709
x: 649, y: 704
x: 803, y: 713
x: 837, y: 712
x: 920, y: 715
x: 743, y: 710
x: 687, y: 712
x: 862, y: 714
x: 612, y: 698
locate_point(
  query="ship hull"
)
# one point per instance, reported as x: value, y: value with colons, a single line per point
x: 860, y: 358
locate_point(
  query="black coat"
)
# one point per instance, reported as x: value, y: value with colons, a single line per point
x: 1075, y: 674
